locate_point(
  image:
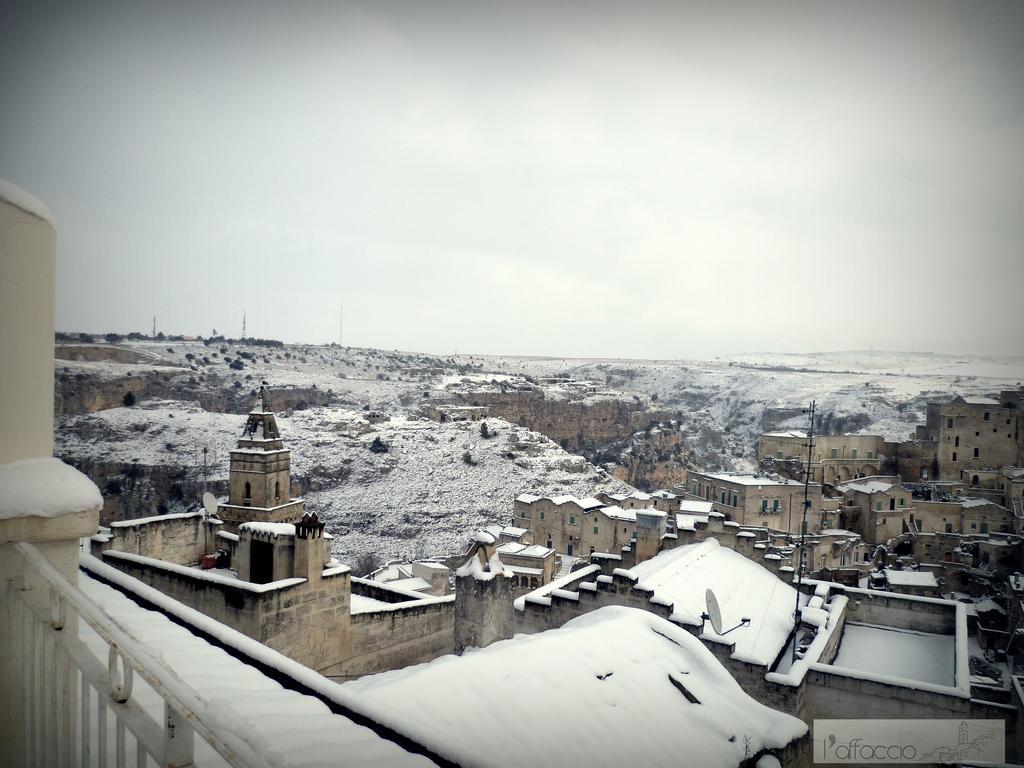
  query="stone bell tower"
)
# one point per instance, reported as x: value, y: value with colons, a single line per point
x: 259, y: 484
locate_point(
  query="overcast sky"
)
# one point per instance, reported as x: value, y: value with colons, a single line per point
x: 636, y: 180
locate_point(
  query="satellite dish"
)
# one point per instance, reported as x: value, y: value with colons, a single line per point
x: 714, y: 612
x: 210, y: 504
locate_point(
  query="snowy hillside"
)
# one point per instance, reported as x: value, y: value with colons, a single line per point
x: 426, y: 495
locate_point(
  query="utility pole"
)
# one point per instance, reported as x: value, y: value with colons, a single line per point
x: 797, y: 615
x: 154, y: 326
x: 243, y: 325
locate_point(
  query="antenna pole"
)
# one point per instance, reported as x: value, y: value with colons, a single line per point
x: 243, y: 325
x: 154, y: 326
x: 803, y: 528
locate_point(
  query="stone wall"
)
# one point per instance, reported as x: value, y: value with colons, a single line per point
x: 393, y: 638
x: 181, y: 539
x: 310, y: 625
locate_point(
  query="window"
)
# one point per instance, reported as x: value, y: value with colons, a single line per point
x: 248, y: 491
x: 764, y: 505
x: 974, y: 526
x: 775, y: 505
x: 976, y: 453
x: 734, y: 499
x: 853, y: 453
x: 778, y: 454
x: 723, y: 497
x: 277, y: 490
x: 949, y: 527
x: 954, y: 456
x: 956, y: 442
x: 984, y: 527
x: 878, y: 506
x: 572, y: 519
x: 901, y: 502
x: 988, y: 416
x: 595, y: 529
x: 541, y: 515
x: 871, y: 454
x: 835, y: 453
x: 892, y: 504
x: 949, y: 423
x: 623, y: 529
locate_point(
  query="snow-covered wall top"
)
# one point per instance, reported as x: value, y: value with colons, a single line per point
x: 19, y: 198
x: 45, y: 487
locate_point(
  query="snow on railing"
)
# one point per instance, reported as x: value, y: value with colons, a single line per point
x: 70, y: 693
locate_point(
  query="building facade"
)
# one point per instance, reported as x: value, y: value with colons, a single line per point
x: 756, y: 500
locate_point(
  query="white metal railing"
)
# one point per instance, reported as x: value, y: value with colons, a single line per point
x: 70, y: 695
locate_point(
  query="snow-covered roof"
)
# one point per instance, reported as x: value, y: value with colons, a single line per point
x: 741, y: 478
x: 975, y: 502
x: 837, y: 532
x: 898, y: 653
x: 898, y: 578
x: 786, y: 433
x: 153, y: 519
x: 695, y: 507
x: 744, y: 589
x: 45, y: 487
x: 590, y: 503
x: 19, y: 198
x: 618, y: 513
x: 524, y: 550
x: 866, y: 486
x: 689, y: 522
x: 527, y: 498
x: 415, y: 583
x: 980, y: 400
x: 615, y: 686
x: 363, y: 604
x: 273, y: 529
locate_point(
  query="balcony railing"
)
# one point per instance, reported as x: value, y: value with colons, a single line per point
x: 78, y: 710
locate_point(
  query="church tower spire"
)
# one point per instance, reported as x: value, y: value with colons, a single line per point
x: 259, y: 484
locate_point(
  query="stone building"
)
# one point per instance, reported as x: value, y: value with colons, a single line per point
x: 758, y: 500
x: 575, y: 527
x: 834, y: 458
x: 975, y: 433
x: 966, y: 516
x: 876, y: 508
x: 259, y: 486
x: 1000, y: 486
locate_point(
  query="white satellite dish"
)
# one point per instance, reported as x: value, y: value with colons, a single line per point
x: 714, y: 612
x: 210, y: 504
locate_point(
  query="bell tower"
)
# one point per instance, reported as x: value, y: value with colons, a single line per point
x: 259, y: 480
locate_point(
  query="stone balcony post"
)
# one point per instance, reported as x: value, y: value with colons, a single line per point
x: 42, y: 501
